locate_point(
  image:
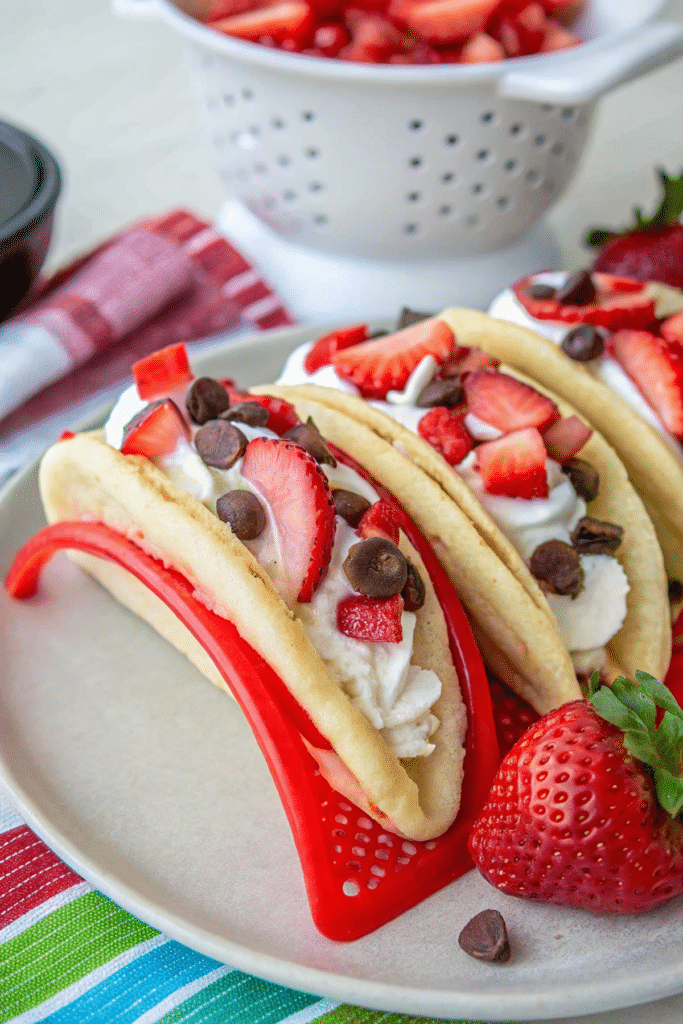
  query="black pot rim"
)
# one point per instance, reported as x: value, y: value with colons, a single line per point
x: 45, y: 196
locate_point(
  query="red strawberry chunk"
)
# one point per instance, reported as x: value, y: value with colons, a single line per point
x: 443, y: 21
x: 444, y: 429
x: 465, y: 360
x: 514, y: 465
x: 324, y: 348
x: 672, y: 329
x: 371, y: 618
x: 288, y: 19
x: 281, y: 414
x: 565, y: 438
x: 296, y: 491
x: 619, y: 302
x: 507, y: 403
x: 162, y: 371
x: 386, y: 363
x: 156, y: 430
x: 655, y: 366
x: 481, y: 48
x: 227, y: 8
x: 379, y: 520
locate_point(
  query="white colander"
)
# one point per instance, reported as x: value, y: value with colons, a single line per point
x: 401, y: 162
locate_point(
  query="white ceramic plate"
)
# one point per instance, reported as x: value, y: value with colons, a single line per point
x: 146, y: 780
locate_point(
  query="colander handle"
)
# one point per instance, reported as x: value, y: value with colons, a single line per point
x: 580, y: 77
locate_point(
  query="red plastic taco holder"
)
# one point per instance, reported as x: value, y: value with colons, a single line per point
x: 358, y: 876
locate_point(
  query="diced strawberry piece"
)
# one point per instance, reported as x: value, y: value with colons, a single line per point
x: 514, y: 465
x: 386, y: 363
x: 379, y: 520
x: 66, y: 435
x: 481, y: 48
x: 565, y: 438
x: 619, y: 302
x: 672, y: 329
x: 324, y: 347
x: 655, y: 366
x: 557, y: 37
x: 507, y: 403
x: 443, y: 21
x: 156, y: 430
x: 228, y: 8
x: 162, y: 371
x: 289, y: 18
x: 296, y: 490
x: 281, y: 414
x: 465, y: 360
x: 329, y: 39
x: 444, y: 429
x: 421, y: 53
x: 369, y: 618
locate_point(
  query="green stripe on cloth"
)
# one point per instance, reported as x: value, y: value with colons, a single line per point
x: 63, y: 948
x: 357, y: 1015
x: 237, y: 998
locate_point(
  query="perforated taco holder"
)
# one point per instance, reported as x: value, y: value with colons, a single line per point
x: 357, y: 875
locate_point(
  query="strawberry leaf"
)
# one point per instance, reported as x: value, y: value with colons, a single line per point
x: 669, y: 211
x: 632, y: 707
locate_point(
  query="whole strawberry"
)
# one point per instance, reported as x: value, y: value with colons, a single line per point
x: 650, y: 250
x: 582, y: 809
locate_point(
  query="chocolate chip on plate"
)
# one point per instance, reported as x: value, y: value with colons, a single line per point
x: 583, y: 343
x: 349, y: 505
x: 578, y: 290
x: 376, y: 568
x: 414, y: 592
x: 584, y: 477
x: 541, y: 291
x: 251, y: 413
x: 485, y: 937
x: 592, y: 536
x: 206, y: 400
x: 220, y: 444
x: 310, y: 438
x: 447, y: 391
x: 243, y: 512
x: 558, y: 567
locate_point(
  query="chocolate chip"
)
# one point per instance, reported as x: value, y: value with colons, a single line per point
x: 594, y: 537
x: 413, y: 593
x: 206, y: 400
x: 376, y: 568
x: 583, y: 343
x: 447, y: 392
x: 243, y: 512
x: 578, y: 290
x: 541, y: 291
x: 310, y: 438
x: 251, y: 413
x: 220, y: 444
x: 350, y: 505
x: 584, y: 477
x: 558, y: 566
x: 408, y: 317
x: 485, y: 937
x: 675, y: 591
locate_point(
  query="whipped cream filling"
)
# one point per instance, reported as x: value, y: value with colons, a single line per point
x: 395, y: 695
x: 506, y: 306
x: 586, y: 622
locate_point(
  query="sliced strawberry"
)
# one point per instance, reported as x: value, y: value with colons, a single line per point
x: 386, y: 363
x: 481, y: 48
x: 281, y: 414
x: 444, y: 430
x: 296, y: 490
x: 324, y: 348
x: 565, y: 438
x: 228, y: 8
x: 514, y: 465
x: 156, y: 430
x: 655, y: 366
x: 379, y: 520
x: 619, y: 302
x: 672, y: 329
x: 374, y: 37
x: 290, y: 18
x: 443, y: 21
x: 371, y: 618
x: 465, y: 360
x: 162, y: 371
x: 507, y: 403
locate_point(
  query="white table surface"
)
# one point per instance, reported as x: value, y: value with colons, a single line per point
x: 112, y: 99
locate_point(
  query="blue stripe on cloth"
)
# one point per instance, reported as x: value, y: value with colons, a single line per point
x: 145, y: 982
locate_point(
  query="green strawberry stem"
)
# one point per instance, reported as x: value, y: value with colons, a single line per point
x: 632, y: 707
x: 669, y: 212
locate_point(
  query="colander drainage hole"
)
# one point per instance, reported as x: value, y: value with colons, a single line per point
x: 510, y: 166
x: 415, y: 126
x: 410, y: 229
x: 320, y: 220
x: 451, y: 140
x: 445, y: 211
x: 277, y: 122
x: 516, y: 129
x: 568, y: 112
x: 448, y: 177
x: 315, y: 186
x: 413, y: 197
x: 488, y: 117
x: 350, y: 887
x: 415, y: 161
x: 307, y: 115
